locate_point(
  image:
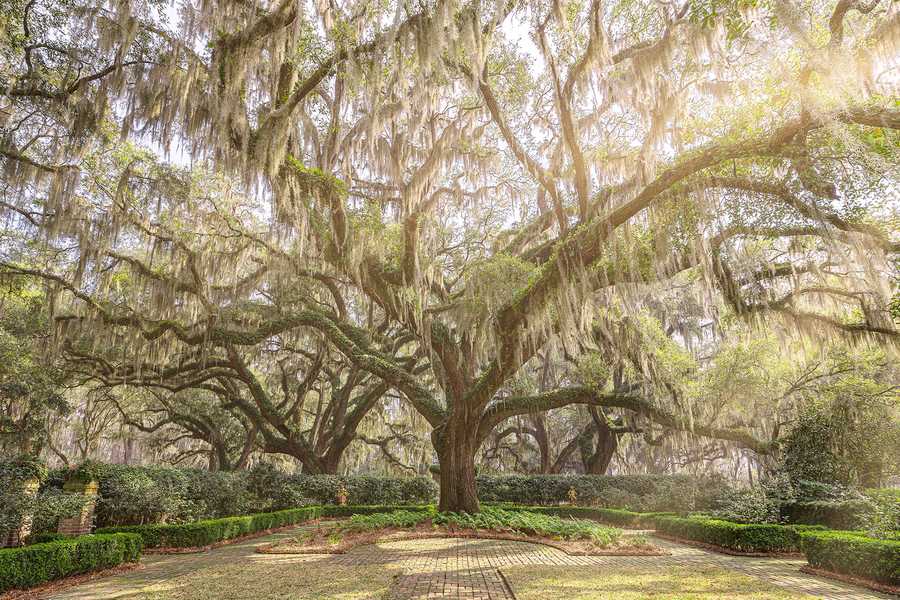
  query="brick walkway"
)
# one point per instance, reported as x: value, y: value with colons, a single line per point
x: 462, y: 568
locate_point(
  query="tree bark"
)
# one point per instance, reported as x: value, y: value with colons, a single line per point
x: 457, y: 443
x: 607, y: 442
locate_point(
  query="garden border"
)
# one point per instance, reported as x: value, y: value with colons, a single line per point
x: 723, y: 549
x: 467, y: 534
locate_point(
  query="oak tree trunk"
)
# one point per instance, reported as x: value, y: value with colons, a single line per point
x: 456, y: 444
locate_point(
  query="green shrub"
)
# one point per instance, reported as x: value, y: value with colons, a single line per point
x: 380, y: 520
x: 47, y: 536
x: 853, y: 554
x: 45, y: 507
x: 678, y: 493
x: 210, y: 531
x: 348, y: 510
x: 323, y: 489
x: 847, y: 514
x: 138, y: 495
x: 761, y: 503
x: 39, y: 563
x: 734, y: 536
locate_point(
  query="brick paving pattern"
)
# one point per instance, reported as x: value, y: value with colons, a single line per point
x: 466, y: 568
x: 475, y: 584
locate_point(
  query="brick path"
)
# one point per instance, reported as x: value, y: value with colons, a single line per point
x: 463, y: 568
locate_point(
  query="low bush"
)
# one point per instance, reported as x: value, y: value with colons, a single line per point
x: 678, y: 493
x: 397, y: 518
x: 211, y: 531
x: 734, y: 536
x: 853, y: 554
x: 39, y: 563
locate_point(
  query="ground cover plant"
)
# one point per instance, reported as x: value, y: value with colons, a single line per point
x: 576, y: 536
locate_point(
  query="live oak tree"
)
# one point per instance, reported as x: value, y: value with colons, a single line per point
x: 455, y: 189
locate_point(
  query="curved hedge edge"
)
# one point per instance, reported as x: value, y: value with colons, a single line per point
x: 29, y: 566
x: 736, y: 537
x: 200, y: 534
x: 724, y: 550
x: 854, y: 555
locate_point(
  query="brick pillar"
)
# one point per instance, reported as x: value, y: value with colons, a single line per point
x: 14, y: 536
x: 83, y: 521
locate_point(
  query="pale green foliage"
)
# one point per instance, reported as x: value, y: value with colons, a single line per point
x: 492, y: 283
x: 593, y: 370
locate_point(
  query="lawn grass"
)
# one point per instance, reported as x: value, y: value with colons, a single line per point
x: 633, y: 583
x: 297, y: 578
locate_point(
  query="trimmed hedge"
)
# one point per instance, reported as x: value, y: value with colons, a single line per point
x: 47, y: 536
x: 611, y: 516
x: 681, y: 493
x: 734, y: 536
x: 39, y: 563
x: 210, y: 531
x: 853, y: 554
x: 847, y: 514
x: 348, y: 510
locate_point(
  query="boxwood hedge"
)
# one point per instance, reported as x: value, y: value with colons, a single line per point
x: 32, y: 565
x: 853, y: 554
x: 679, y: 493
x: 734, y: 536
x: 210, y: 531
x: 348, y: 510
x: 611, y: 516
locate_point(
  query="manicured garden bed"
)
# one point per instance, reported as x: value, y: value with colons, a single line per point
x: 576, y: 537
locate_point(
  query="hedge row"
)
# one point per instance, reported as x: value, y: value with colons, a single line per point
x: 29, y: 566
x: 348, y: 510
x: 611, y: 516
x: 853, y: 554
x: 646, y: 493
x: 735, y: 536
x: 210, y: 531
x: 846, y: 514
x: 138, y: 495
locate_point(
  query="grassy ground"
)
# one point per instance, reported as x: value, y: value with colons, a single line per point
x: 667, y: 583
x: 268, y: 579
